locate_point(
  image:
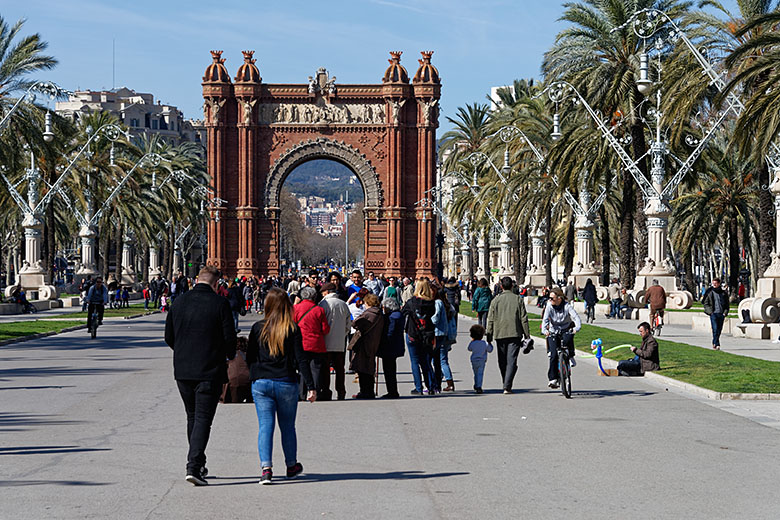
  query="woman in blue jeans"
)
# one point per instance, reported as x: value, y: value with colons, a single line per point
x: 441, y: 365
x: 275, y: 356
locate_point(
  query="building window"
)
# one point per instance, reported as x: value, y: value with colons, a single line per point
x: 146, y: 120
x: 134, y: 122
x: 154, y: 124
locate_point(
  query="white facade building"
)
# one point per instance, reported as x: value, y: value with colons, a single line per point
x: 137, y: 111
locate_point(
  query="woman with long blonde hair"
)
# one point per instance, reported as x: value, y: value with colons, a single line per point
x: 275, y: 356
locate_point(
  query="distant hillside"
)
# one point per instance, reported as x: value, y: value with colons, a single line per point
x: 323, y: 178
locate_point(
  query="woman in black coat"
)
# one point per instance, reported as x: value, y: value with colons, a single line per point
x: 392, y: 345
x: 590, y: 297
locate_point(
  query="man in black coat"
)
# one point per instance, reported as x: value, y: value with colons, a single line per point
x: 199, y: 328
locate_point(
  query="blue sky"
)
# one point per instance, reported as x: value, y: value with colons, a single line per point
x: 163, y: 47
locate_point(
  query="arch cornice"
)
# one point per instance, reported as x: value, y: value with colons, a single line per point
x: 323, y: 148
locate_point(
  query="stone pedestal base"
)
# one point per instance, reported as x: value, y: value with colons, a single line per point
x: 765, y: 307
x: 34, y: 285
x: 675, y: 299
x: 536, y: 279
x: 128, y: 278
x: 85, y: 271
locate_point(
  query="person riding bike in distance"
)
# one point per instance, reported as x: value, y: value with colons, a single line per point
x: 559, y: 318
x: 97, y: 298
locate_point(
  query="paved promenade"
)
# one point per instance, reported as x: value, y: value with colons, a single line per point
x: 96, y: 429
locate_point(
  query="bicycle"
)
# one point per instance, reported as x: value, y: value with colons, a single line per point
x: 564, y: 364
x: 94, y: 321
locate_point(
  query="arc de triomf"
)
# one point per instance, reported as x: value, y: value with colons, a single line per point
x: 258, y: 133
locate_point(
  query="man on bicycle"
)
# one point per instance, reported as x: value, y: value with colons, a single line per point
x: 656, y: 297
x: 559, y: 323
x: 97, y: 298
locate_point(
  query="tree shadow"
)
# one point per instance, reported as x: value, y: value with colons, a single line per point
x: 35, y: 387
x: 58, y: 371
x: 20, y: 483
x: 45, y: 450
x: 17, y: 422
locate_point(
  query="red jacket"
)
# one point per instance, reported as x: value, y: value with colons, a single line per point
x: 314, y: 325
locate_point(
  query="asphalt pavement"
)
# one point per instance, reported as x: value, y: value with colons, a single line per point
x: 96, y: 429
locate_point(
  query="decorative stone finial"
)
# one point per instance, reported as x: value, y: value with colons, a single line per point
x: 395, y: 73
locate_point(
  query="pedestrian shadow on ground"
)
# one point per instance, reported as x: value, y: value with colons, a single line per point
x: 328, y: 477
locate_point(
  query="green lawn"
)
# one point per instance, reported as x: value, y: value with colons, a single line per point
x: 134, y: 310
x: 714, y: 370
x: 26, y: 328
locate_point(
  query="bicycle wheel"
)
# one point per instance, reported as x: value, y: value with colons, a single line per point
x: 564, y: 374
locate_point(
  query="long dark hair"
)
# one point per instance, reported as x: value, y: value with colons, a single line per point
x: 278, y: 321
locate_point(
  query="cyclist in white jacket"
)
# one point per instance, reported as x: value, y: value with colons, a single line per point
x: 559, y: 323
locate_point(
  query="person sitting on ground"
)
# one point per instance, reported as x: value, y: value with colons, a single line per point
x: 646, y: 358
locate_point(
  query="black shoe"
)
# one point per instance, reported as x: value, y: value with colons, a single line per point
x: 196, y: 479
x: 415, y: 392
x: 294, y: 470
x: 267, y: 476
x: 204, y: 471
x: 390, y: 396
x: 478, y: 390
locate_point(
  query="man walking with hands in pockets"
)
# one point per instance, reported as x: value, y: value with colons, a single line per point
x: 200, y: 330
x: 508, y: 323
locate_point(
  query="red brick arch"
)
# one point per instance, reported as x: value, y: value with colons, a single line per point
x: 258, y: 133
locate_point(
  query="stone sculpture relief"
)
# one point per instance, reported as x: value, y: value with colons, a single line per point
x: 292, y: 113
x: 430, y: 110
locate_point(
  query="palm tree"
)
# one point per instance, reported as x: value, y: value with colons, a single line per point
x: 19, y: 57
x: 721, y: 208
x: 468, y: 136
x: 602, y: 65
x: 755, y: 69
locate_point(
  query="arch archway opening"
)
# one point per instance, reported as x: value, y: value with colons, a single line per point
x: 321, y: 220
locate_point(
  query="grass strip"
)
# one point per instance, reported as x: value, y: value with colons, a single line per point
x: 714, y: 370
x: 19, y: 329
x: 133, y: 310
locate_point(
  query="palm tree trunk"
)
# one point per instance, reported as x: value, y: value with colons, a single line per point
x: 144, y: 274
x: 50, y: 241
x: 118, y: 246
x: 486, y: 255
x: 733, y: 259
x: 690, y: 279
x: 548, y: 249
x: 521, y: 249
x: 568, y: 250
x: 606, y: 251
x: 105, y: 248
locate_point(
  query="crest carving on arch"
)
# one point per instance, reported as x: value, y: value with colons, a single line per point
x: 322, y: 148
